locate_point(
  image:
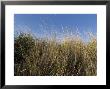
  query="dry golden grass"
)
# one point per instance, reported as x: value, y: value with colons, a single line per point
x: 72, y: 57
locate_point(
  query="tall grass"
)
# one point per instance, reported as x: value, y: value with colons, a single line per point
x: 39, y: 57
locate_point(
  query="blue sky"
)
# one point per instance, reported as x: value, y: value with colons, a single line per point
x: 45, y: 25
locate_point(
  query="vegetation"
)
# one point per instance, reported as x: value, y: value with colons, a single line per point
x: 39, y: 57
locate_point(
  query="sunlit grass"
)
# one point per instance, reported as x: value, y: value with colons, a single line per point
x: 38, y: 57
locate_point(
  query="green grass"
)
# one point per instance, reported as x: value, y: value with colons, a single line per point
x: 39, y: 57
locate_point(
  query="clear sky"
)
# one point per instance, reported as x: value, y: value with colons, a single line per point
x: 45, y: 25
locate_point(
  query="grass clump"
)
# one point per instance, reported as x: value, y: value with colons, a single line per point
x: 39, y: 57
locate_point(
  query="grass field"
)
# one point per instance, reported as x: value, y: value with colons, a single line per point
x: 44, y: 57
